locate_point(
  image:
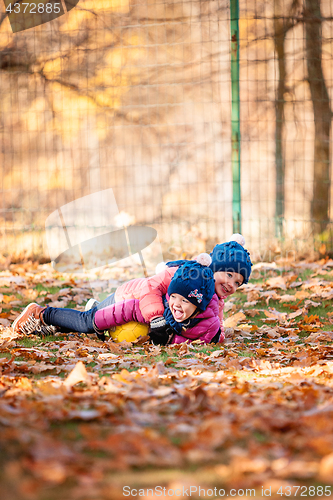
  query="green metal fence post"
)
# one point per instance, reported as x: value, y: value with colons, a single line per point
x: 235, y: 117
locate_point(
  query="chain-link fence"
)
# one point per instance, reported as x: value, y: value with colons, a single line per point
x: 135, y: 95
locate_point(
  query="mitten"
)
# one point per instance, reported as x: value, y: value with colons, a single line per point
x: 162, y: 337
x: 157, y: 324
x: 160, y: 332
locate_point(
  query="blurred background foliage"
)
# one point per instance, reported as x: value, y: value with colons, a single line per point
x: 135, y: 95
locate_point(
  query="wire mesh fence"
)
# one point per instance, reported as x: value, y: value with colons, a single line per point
x: 135, y: 96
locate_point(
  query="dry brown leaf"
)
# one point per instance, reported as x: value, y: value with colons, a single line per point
x: 78, y: 374
x: 114, y: 348
x: 287, y: 298
x: 30, y: 294
x: 233, y: 364
x: 233, y: 320
x: 273, y: 334
x: 301, y: 294
x: 251, y: 312
x: 311, y: 303
x: 183, y: 349
x: 295, y: 314
x: 107, y: 355
x: 155, y: 350
x: 253, y: 295
x: 51, y: 388
x: 217, y: 354
x: 276, y: 315
x: 278, y: 282
x: 169, y: 361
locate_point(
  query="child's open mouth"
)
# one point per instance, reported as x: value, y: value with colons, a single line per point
x: 177, y: 314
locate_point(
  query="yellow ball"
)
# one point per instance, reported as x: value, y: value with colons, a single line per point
x: 129, y: 332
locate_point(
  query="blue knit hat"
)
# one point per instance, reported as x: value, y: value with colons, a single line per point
x: 194, y: 282
x: 231, y: 256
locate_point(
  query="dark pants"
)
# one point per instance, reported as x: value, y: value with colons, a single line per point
x: 70, y: 320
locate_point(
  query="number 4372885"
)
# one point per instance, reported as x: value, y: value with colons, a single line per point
x: 33, y: 8
x: 305, y: 491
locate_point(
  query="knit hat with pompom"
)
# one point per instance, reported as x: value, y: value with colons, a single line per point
x: 194, y: 282
x: 232, y: 256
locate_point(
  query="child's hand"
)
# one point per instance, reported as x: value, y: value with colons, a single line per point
x: 157, y: 324
x: 160, y: 332
x: 162, y: 337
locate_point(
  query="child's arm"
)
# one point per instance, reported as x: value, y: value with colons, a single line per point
x: 118, y: 314
x: 151, y: 302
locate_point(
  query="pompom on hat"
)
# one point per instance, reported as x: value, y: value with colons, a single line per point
x: 232, y: 256
x: 194, y: 282
x: 239, y: 238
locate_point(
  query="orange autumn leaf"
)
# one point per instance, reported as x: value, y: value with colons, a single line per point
x: 233, y: 320
x: 78, y: 374
x: 310, y: 319
x: 8, y: 298
x: 278, y: 282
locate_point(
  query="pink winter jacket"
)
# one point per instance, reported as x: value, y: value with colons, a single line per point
x: 148, y: 293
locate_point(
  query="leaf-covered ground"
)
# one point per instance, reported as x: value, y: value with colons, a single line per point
x: 82, y: 419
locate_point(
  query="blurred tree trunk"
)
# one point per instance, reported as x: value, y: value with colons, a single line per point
x: 282, y: 25
x: 322, y: 115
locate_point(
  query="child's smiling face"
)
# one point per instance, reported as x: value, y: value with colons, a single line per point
x: 227, y: 282
x: 180, y: 307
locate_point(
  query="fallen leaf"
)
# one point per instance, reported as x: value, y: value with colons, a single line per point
x: 295, y: 314
x: 273, y: 334
x: 278, y: 282
x: 233, y: 320
x: 78, y: 374
x: 287, y: 298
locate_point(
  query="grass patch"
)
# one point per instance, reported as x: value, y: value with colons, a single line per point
x: 92, y: 364
x: 247, y: 354
x: 28, y: 342
x: 5, y: 355
x: 50, y: 289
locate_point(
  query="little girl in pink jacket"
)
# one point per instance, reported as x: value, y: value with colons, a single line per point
x: 231, y: 265
x: 189, y: 310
